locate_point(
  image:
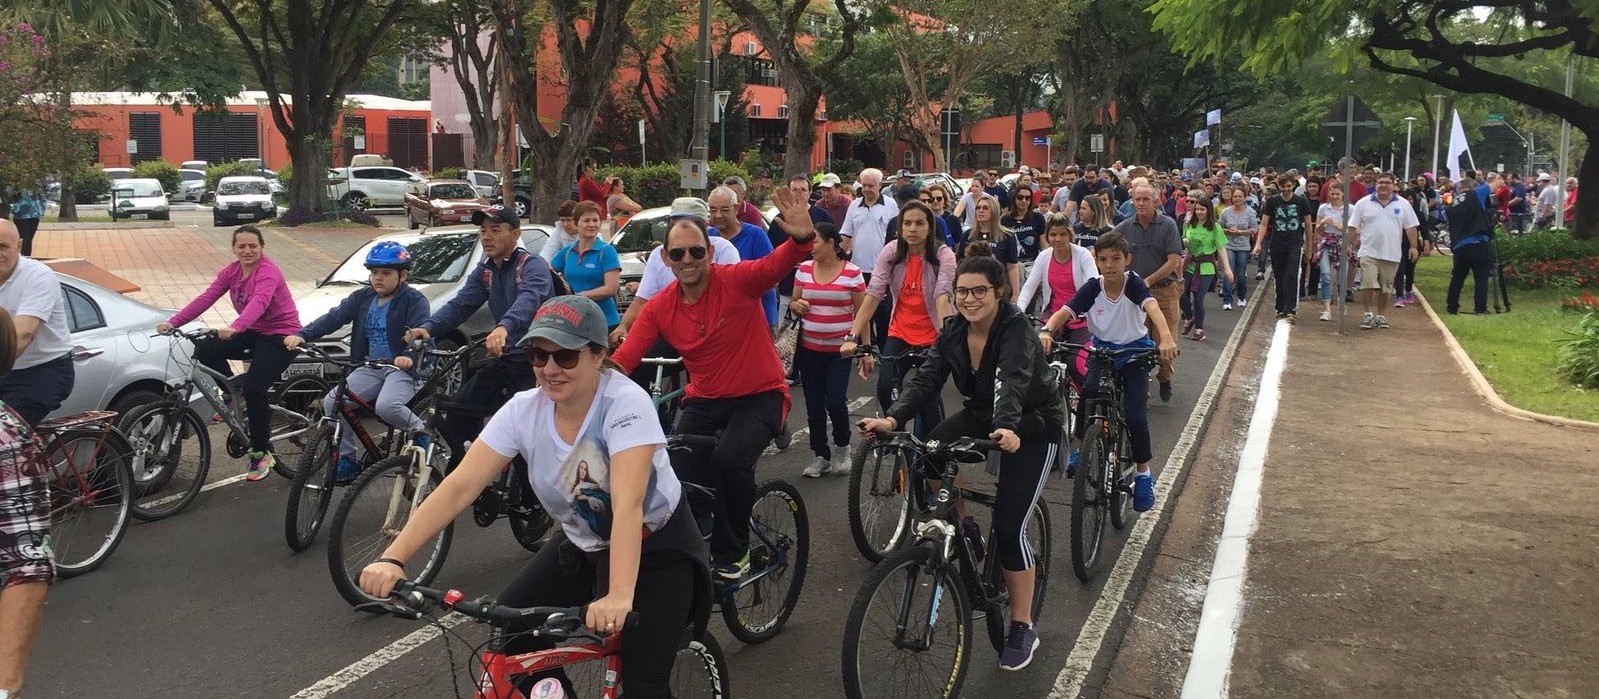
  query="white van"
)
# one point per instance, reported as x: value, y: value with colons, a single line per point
x: 370, y: 160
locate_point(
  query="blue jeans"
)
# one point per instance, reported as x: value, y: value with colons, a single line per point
x: 1329, y: 273
x: 825, y: 378
x: 1238, y: 261
x: 888, y: 373
x: 37, y: 391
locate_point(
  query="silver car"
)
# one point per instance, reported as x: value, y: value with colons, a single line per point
x: 441, y: 261
x: 119, y: 365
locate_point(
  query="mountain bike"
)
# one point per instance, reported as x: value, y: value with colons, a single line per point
x: 172, y: 445
x: 1060, y: 362
x: 316, y: 476
x: 909, y: 630
x: 586, y: 658
x: 1103, y: 488
x: 666, y: 391
x: 91, y: 488
x: 887, y: 489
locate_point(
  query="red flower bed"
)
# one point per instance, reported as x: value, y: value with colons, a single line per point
x: 1535, y: 275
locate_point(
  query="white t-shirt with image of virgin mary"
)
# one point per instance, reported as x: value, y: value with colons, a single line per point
x: 573, y: 481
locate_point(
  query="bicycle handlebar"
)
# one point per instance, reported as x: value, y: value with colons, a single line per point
x: 317, y: 352
x: 933, y: 446
x: 409, y: 601
x: 192, y: 336
x: 1098, y: 351
x: 661, y: 361
x: 914, y: 353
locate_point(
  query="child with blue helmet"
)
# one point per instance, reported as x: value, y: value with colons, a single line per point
x: 379, y: 315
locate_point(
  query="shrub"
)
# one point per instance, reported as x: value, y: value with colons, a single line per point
x: 216, y: 172
x: 90, y: 184
x: 1544, y: 245
x: 1578, y: 360
x: 657, y: 185
x: 286, y: 175
x: 1560, y: 274
x: 450, y: 173
x: 160, y: 170
x: 1585, y: 303
x: 723, y: 169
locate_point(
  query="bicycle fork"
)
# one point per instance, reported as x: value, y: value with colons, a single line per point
x: 931, y: 532
x: 419, y: 461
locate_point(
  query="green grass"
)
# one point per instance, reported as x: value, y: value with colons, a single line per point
x: 1517, y: 350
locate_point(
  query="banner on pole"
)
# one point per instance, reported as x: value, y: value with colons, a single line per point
x: 1213, y: 117
x: 1201, y: 138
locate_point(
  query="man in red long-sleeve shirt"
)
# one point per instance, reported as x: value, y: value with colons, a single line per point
x: 589, y: 189
x: 712, y: 315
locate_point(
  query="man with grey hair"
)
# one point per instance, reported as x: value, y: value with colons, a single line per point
x: 43, y: 374
x: 751, y: 241
x: 865, y: 231
x: 1158, y: 259
x: 747, y: 212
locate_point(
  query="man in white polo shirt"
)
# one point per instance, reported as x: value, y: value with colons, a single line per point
x: 1376, y: 225
x: 43, y: 375
x: 865, y: 231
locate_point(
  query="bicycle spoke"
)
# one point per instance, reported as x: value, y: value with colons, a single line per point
x: 900, y: 664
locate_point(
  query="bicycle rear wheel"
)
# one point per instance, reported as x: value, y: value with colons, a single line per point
x: 1089, y: 508
x: 168, y: 470
x: 758, y: 606
x: 372, y: 513
x: 700, y: 669
x: 91, y: 498
x: 879, y: 500
x: 1040, y: 537
x: 301, y: 395
x: 889, y: 650
x: 312, y: 488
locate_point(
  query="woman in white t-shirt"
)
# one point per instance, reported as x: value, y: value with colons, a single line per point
x: 595, y: 459
x: 1330, y: 224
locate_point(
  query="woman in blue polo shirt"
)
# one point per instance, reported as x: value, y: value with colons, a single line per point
x: 590, y: 265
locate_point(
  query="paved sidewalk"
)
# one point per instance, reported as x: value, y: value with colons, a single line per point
x: 1411, y: 541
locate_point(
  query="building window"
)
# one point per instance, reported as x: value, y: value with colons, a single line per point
x: 782, y: 112
x: 755, y: 109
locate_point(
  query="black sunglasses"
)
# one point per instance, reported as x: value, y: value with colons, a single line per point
x: 676, y: 254
x: 565, y: 358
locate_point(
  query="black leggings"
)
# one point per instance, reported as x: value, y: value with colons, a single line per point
x: 268, y: 360
x: 746, y: 424
x: 1405, y: 278
x: 1021, y: 482
x: 562, y: 575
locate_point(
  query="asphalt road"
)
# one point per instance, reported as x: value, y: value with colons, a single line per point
x: 212, y: 603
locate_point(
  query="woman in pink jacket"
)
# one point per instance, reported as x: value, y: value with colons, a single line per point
x: 267, y: 314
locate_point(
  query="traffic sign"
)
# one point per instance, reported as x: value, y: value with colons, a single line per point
x: 1096, y: 143
x: 1040, y: 140
x: 1496, y: 118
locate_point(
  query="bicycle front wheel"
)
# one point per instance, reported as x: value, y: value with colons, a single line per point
x: 780, y: 541
x: 312, y: 488
x: 1040, y: 534
x: 879, y: 499
x: 170, y: 458
x: 373, y: 512
x: 700, y: 669
x: 1089, y: 505
x: 1121, y: 473
x: 91, y: 498
x: 909, y: 631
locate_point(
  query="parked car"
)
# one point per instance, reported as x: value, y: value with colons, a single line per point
x: 119, y: 364
x: 118, y: 173
x: 192, y: 185
x: 486, y: 183
x: 242, y: 198
x: 200, y: 165
x: 522, y: 185
x: 372, y: 187
x: 441, y: 259
x: 139, y: 198
x: 437, y: 202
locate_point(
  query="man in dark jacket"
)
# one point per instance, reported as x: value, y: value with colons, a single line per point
x: 1471, y: 232
x: 378, y: 315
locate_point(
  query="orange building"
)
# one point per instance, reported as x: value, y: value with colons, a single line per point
x: 131, y: 128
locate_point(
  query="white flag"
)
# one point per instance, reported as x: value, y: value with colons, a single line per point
x: 1457, y: 148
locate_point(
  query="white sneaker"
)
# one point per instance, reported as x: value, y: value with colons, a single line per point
x: 1366, y: 320
x: 1240, y: 302
x: 818, y: 467
x: 1325, y: 316
x: 841, y: 464
x: 1382, y: 322
x: 1227, y: 307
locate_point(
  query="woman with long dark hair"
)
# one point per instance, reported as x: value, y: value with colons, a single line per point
x: 828, y: 291
x: 1205, y: 241
x: 1024, y: 222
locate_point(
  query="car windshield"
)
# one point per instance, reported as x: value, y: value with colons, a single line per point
x: 139, y: 189
x: 642, y: 235
x: 459, y: 190
x: 435, y: 259
x: 244, y: 187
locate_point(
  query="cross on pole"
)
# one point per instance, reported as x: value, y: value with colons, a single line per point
x: 1358, y: 123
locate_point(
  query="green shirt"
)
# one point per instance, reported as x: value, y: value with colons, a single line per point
x: 1204, y: 241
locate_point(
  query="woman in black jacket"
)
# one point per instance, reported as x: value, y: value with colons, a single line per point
x: 992, y: 352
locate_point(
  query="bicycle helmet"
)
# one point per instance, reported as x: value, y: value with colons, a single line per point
x: 388, y: 255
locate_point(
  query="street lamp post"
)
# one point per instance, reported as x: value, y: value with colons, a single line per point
x: 722, y: 96
x: 1410, y: 123
x: 1437, y: 125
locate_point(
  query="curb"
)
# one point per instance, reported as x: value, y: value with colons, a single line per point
x: 1486, y: 389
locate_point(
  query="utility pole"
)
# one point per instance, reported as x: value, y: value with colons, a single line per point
x: 700, y: 148
x: 1565, y: 148
x: 1437, y: 125
x: 1410, y: 123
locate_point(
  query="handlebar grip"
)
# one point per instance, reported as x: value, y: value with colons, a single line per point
x: 984, y: 445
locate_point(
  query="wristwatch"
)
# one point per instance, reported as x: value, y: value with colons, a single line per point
x: 852, y: 337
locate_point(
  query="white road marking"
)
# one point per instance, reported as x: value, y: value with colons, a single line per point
x: 353, y: 672
x: 1069, y: 683
x: 796, y: 436
x: 230, y: 480
x: 1212, y: 659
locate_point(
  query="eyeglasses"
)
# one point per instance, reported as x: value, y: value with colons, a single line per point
x: 926, y: 201
x: 564, y: 358
x: 937, y: 199
x: 976, y: 292
x: 676, y: 254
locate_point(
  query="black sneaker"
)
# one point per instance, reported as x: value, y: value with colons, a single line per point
x: 1165, y: 391
x: 1020, y: 643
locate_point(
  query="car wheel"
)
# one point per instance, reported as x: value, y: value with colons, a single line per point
x: 133, y: 399
x: 356, y: 201
x: 522, y: 207
x: 218, y: 221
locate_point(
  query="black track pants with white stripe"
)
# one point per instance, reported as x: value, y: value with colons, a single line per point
x: 1021, y: 483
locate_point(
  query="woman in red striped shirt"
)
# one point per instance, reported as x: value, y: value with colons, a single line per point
x: 827, y: 293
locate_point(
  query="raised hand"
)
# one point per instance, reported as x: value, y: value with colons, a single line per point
x: 796, y: 212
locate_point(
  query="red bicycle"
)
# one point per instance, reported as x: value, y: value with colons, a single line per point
x: 591, y: 662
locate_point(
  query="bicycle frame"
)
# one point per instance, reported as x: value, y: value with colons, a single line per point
x: 656, y: 387
x: 50, y: 431
x: 499, y: 669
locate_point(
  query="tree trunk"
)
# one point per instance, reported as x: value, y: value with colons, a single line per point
x: 803, y: 100
x: 308, y: 195
x: 69, y: 161
x: 1586, y: 226
x: 1018, y: 134
x: 557, y: 169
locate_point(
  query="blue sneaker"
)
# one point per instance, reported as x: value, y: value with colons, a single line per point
x: 1071, y: 463
x: 1020, y: 643
x: 422, y: 440
x: 1144, y: 492
x: 348, y: 469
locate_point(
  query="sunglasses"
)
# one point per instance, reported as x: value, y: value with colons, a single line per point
x: 565, y: 358
x: 933, y: 199
x: 676, y: 254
